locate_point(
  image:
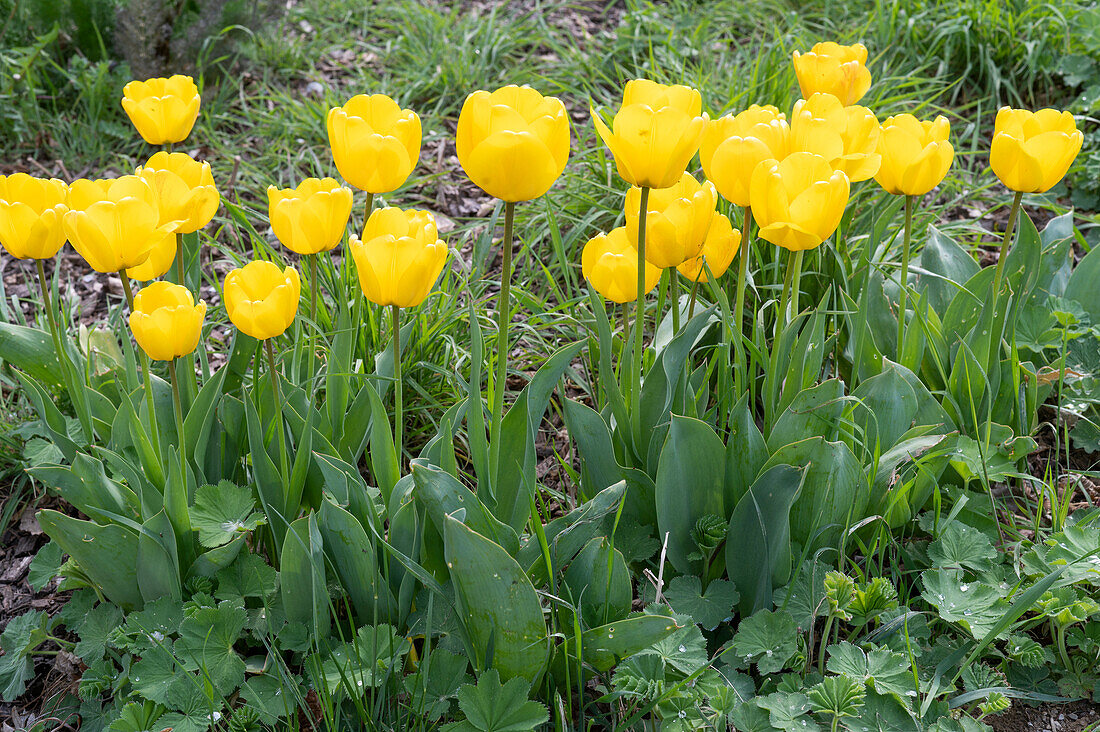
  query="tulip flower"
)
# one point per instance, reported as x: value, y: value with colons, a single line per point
x: 797, y: 202
x: 732, y: 146
x: 514, y: 142
x: 721, y: 246
x: 262, y: 299
x: 398, y: 261
x: 399, y: 257
x: 166, y: 321
x: 915, y: 155
x: 115, y: 224
x: 31, y: 212
x: 845, y: 136
x: 610, y: 265
x: 655, y: 133
x: 185, y: 189
x: 834, y: 69
x: 374, y: 142
x: 1032, y: 151
x: 312, y: 217
x: 162, y: 110
x: 677, y: 220
x: 159, y: 262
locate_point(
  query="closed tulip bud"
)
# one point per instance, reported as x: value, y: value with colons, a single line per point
x: 374, y: 142
x: 1032, y: 151
x: 677, y: 220
x: 655, y: 133
x: 513, y: 143
x: 722, y: 244
x: 798, y: 202
x: 915, y: 155
x: 311, y: 218
x: 31, y: 213
x: 845, y: 136
x: 114, y: 223
x: 732, y: 147
x: 185, y: 189
x: 160, y: 260
x: 162, y: 110
x: 610, y: 264
x: 166, y: 322
x: 262, y: 299
x: 399, y: 257
x: 831, y: 68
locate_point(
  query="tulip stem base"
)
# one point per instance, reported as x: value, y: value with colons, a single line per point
x: 781, y: 320
x: 739, y: 304
x: 674, y: 298
x: 313, y: 286
x: 796, y: 281
x: 639, y: 315
x: 694, y: 292
x: 178, y: 410
x: 179, y: 260
x: 398, y: 414
x: 903, y: 280
x: 47, y: 305
x: 146, y: 371
x: 1013, y: 214
x: 504, y: 316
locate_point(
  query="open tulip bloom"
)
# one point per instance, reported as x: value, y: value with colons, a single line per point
x: 610, y: 264
x: 185, y: 193
x: 845, y: 136
x: 374, y: 142
x: 833, y: 69
x: 162, y: 110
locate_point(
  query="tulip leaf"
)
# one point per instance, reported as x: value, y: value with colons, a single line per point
x: 597, y: 582
x: 834, y: 492
x: 805, y: 357
x: 497, y: 605
x: 383, y: 454
x: 515, y: 479
x: 52, y: 420
x: 589, y: 432
x: 302, y: 576
x: 758, y: 545
x: 746, y: 452
x: 1022, y: 266
x: 355, y: 562
x: 443, y: 495
x: 30, y: 350
x: 943, y: 267
x: 156, y: 565
x: 885, y: 409
x: 1082, y: 284
x: 269, y: 484
x: 86, y: 486
x: 104, y: 553
x: 605, y: 646
x: 689, y: 486
x: 199, y: 422
x: 816, y: 411
x: 568, y: 534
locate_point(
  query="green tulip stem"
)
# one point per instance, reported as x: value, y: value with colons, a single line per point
x: 639, y: 313
x: 742, y: 283
x: 903, y: 281
x: 48, y: 306
x: 314, y: 283
x: 503, y: 318
x: 781, y: 319
x: 179, y: 259
x: 270, y: 349
x: 1013, y: 213
x: 398, y: 414
x: 674, y: 298
x: 145, y: 370
x: 368, y: 208
x: 694, y: 291
x: 796, y: 282
x: 178, y: 409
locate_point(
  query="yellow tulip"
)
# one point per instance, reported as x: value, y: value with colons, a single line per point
x: 160, y: 260
x: 677, y: 220
x: 185, y: 189
x: 399, y: 257
x: 722, y: 244
x: 114, y: 223
x: 733, y: 145
x: 166, y: 322
x: 312, y: 217
x: 655, y: 133
x: 31, y: 212
x: 610, y: 264
x: 833, y: 69
x: 513, y: 143
x: 798, y: 202
x: 162, y: 110
x: 374, y: 142
x: 1032, y: 151
x: 262, y: 299
x: 915, y: 155
x: 845, y: 136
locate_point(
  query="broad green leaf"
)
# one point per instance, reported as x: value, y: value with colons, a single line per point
x: 758, y: 545
x: 105, y: 553
x: 685, y: 595
x: 435, y: 682
x: 157, y: 564
x: 302, y: 577
x: 443, y: 495
x: 247, y: 576
x: 159, y: 676
x: 496, y: 603
x: 598, y: 583
x: 683, y: 650
x: 605, y: 646
x: 815, y: 412
x: 1082, y: 284
x: 974, y: 605
x: 788, y: 711
x: 886, y: 409
x: 30, y: 350
x: 493, y: 707
x: 944, y: 266
x: 85, y: 485
x: 371, y: 659
x: 222, y: 512
x: 746, y: 452
x: 45, y: 566
x: 198, y: 425
x: 767, y: 638
x: 883, y: 670
x: 587, y: 429
x: 689, y: 486
x: 354, y: 558
x: 21, y: 636
x: 960, y: 546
